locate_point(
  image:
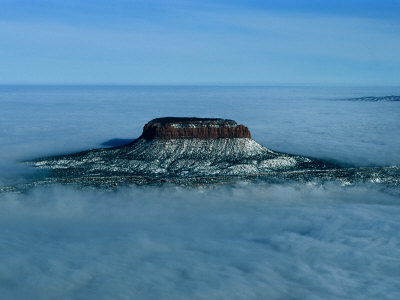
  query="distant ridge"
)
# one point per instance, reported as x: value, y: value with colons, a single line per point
x: 376, y: 99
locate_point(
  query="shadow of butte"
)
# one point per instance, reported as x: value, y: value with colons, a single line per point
x: 116, y: 142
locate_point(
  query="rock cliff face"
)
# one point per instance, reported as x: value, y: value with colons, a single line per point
x: 190, y: 128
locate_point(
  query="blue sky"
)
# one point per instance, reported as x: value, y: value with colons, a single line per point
x: 200, y: 42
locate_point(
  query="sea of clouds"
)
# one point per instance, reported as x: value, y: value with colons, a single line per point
x: 243, y: 241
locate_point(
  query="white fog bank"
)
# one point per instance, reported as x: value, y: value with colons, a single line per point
x: 235, y: 242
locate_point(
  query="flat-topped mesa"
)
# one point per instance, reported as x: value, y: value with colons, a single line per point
x: 193, y: 128
x: 181, y: 149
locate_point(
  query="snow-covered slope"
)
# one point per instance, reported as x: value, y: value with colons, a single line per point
x: 179, y: 158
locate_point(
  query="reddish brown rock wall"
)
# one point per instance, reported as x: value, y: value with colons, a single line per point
x: 200, y: 131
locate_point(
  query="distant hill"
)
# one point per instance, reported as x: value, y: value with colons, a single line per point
x: 376, y: 99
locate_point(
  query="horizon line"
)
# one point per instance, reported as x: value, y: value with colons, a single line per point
x: 199, y: 85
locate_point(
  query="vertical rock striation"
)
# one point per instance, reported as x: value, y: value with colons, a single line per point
x: 193, y: 128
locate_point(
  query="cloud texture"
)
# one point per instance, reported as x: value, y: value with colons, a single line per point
x: 238, y: 242
x: 207, y: 42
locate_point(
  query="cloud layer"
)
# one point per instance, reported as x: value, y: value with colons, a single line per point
x: 238, y: 242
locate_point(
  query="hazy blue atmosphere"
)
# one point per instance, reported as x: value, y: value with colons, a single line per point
x: 353, y: 42
x: 244, y: 241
